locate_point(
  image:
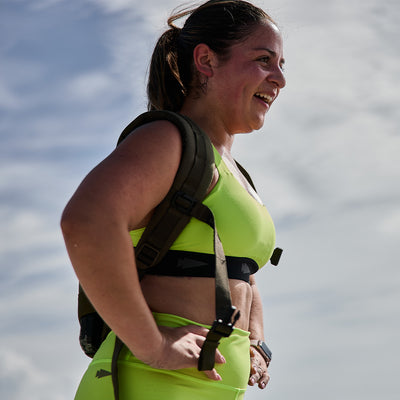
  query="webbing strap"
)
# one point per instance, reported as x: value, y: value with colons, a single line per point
x: 189, y: 188
x: 224, y: 311
x: 114, y: 366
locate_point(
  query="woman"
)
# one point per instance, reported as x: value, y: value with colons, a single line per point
x: 223, y: 70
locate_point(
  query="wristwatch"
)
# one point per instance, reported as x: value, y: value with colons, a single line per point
x: 263, y: 349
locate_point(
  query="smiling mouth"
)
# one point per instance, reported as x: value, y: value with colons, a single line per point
x: 264, y: 97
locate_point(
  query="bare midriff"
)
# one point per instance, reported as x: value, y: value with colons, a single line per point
x: 194, y: 298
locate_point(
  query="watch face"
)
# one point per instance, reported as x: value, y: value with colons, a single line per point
x: 265, y: 349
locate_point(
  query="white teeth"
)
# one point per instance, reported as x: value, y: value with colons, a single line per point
x: 265, y: 97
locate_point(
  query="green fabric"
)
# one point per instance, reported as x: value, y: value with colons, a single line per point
x: 139, y: 381
x: 244, y: 225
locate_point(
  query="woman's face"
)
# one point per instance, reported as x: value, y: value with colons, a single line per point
x: 245, y: 86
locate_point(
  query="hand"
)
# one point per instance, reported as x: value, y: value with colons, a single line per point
x: 181, y: 349
x: 259, y: 370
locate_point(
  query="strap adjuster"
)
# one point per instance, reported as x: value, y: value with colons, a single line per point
x: 219, y: 329
x: 183, y: 202
x: 224, y: 327
x: 147, y: 255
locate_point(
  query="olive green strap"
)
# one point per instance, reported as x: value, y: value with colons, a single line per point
x: 189, y: 188
x: 114, y: 366
x: 225, y: 312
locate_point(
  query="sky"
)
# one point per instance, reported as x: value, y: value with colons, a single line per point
x: 326, y: 163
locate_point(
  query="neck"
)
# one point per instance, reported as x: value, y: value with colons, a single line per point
x: 209, y: 122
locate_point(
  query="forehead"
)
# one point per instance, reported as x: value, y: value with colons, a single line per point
x: 267, y: 36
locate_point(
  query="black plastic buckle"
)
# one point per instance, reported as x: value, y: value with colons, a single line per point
x: 221, y: 327
x: 276, y: 255
x: 147, y: 254
x: 183, y: 202
x: 224, y: 327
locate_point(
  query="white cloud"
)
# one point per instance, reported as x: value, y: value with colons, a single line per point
x: 15, y: 78
x: 14, y: 369
x: 41, y: 5
x: 90, y: 87
x: 8, y: 99
x: 390, y: 223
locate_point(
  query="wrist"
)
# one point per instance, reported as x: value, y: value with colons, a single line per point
x: 146, y: 347
x: 262, y: 349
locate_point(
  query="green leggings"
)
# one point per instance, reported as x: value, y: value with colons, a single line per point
x: 138, y: 381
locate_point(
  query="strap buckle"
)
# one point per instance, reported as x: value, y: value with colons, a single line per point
x: 219, y: 329
x: 147, y: 255
x: 224, y: 327
x: 183, y: 202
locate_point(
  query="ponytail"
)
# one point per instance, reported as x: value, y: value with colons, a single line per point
x: 165, y: 90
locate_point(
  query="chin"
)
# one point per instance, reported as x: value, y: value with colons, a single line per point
x: 251, y: 125
x: 258, y: 124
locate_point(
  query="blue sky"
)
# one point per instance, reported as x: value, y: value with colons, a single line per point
x: 326, y: 163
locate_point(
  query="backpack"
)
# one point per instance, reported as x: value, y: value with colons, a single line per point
x: 182, y: 202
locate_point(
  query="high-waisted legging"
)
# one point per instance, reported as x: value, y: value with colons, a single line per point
x: 138, y: 381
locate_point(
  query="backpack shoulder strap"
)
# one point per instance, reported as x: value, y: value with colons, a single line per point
x: 276, y: 255
x: 246, y: 175
x: 189, y: 188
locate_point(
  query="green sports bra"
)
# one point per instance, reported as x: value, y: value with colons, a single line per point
x: 244, y: 226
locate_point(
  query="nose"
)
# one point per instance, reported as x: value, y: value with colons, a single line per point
x: 278, y: 77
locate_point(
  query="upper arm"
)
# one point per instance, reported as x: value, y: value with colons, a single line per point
x: 132, y: 180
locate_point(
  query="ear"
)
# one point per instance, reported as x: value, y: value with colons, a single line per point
x: 204, y: 59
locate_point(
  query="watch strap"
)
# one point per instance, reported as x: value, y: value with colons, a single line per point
x: 263, y: 349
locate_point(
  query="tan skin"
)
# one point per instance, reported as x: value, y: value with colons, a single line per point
x: 129, y: 184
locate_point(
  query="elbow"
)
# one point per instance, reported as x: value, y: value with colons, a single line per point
x: 65, y: 222
x: 70, y: 224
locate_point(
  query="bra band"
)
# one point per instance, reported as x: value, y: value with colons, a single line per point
x: 188, y: 263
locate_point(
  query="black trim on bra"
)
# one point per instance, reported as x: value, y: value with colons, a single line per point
x: 187, y: 263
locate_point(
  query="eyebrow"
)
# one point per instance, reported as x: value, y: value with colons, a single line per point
x: 273, y: 53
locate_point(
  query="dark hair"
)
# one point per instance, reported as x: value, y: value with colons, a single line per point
x: 216, y: 23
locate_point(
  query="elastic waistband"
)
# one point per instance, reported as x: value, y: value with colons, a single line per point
x: 173, y: 321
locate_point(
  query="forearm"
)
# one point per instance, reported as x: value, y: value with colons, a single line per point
x: 256, y: 324
x: 104, y: 262
x: 259, y: 363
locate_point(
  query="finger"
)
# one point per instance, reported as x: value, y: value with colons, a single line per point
x: 253, y: 379
x: 254, y: 371
x: 198, y: 330
x: 219, y: 358
x: 263, y: 382
x: 256, y: 374
x: 213, y: 374
x: 199, y: 340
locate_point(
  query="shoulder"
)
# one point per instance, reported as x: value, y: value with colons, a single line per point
x: 156, y: 133
x: 128, y: 184
x: 136, y: 176
x: 152, y: 145
x: 144, y: 166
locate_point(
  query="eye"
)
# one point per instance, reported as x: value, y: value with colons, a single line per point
x: 265, y: 59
